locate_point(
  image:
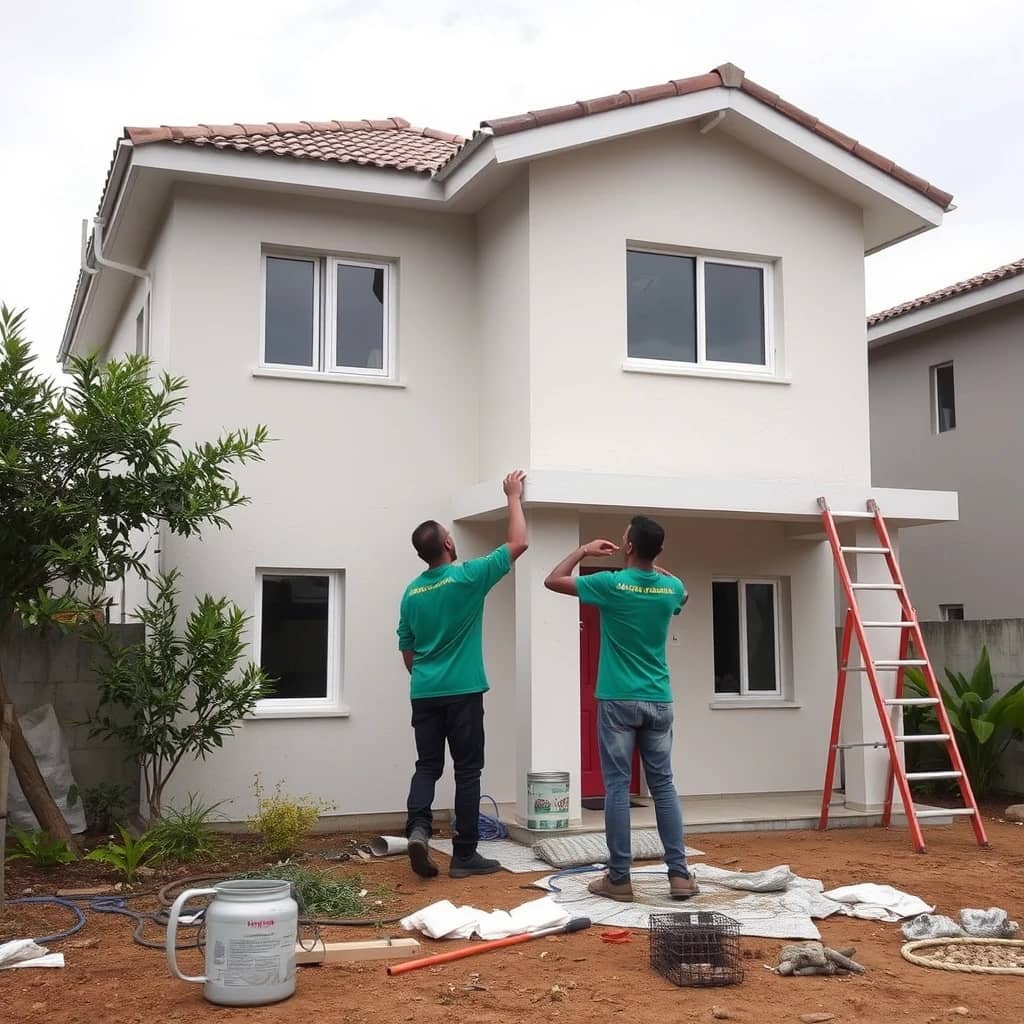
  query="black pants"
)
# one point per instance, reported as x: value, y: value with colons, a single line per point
x: 458, y: 720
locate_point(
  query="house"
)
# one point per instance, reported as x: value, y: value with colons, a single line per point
x: 652, y: 301
x: 944, y: 374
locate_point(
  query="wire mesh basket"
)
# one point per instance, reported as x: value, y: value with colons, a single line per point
x: 700, y: 950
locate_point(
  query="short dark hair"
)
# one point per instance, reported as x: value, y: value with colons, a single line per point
x: 647, y: 537
x: 428, y: 540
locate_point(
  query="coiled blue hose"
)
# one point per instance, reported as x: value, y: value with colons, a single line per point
x: 56, y: 901
x: 489, y: 827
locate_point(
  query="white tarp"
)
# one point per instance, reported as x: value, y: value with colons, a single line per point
x: 46, y: 741
x: 26, y: 953
x: 444, y: 920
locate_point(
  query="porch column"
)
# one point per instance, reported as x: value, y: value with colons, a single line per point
x: 547, y: 660
x: 867, y: 767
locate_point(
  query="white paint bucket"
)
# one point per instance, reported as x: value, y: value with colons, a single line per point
x: 252, y: 926
x: 547, y: 801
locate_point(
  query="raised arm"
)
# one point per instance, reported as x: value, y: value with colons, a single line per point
x: 513, y: 488
x: 561, y: 579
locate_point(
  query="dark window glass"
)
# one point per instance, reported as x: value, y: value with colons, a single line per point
x: 761, y: 669
x: 661, y: 311
x: 289, y: 317
x: 734, y: 314
x: 952, y: 612
x: 360, y: 327
x: 293, y: 635
x: 725, y: 601
x: 945, y: 399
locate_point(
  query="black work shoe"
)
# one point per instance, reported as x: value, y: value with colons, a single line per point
x: 419, y: 854
x: 463, y: 867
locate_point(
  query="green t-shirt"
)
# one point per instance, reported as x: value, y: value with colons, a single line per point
x: 636, y: 608
x: 441, y: 622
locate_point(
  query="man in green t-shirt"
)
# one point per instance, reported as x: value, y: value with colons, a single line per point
x: 634, y: 694
x: 440, y: 635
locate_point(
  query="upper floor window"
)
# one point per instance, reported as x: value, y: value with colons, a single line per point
x: 327, y: 315
x: 698, y: 310
x: 943, y: 398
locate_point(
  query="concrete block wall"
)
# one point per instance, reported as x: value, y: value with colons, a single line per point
x: 50, y: 667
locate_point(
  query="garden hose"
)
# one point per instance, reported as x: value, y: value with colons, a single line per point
x: 55, y: 901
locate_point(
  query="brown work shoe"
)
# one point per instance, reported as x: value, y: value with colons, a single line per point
x: 682, y: 888
x: 621, y: 892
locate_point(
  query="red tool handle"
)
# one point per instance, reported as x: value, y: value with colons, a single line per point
x: 575, y: 925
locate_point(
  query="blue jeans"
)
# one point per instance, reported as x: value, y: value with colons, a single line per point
x: 623, y: 725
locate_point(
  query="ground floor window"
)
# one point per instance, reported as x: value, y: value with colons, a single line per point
x: 299, y: 638
x: 746, y: 637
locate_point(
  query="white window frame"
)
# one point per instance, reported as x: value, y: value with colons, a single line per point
x: 746, y: 694
x: 936, y: 412
x: 330, y: 332
x: 331, y: 703
x: 767, y: 268
x: 325, y: 342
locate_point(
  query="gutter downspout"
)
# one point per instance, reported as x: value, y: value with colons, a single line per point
x: 97, y: 252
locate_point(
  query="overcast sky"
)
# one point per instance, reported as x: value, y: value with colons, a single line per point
x: 938, y: 92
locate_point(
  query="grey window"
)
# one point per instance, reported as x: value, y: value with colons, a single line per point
x: 291, y: 312
x: 327, y: 315
x: 662, y: 307
x: 734, y: 312
x: 359, y: 316
x: 944, y: 397
x: 294, y: 634
x: 746, y: 637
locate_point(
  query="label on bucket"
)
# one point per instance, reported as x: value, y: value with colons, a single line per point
x: 547, y: 804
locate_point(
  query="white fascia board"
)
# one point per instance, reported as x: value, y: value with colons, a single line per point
x: 956, y: 307
x: 611, y: 124
x: 783, y: 499
x: 289, y: 173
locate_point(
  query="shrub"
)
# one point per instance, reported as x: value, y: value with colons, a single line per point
x: 103, y: 804
x: 984, y: 723
x: 185, y: 834
x: 39, y: 848
x: 283, y: 821
x: 126, y: 856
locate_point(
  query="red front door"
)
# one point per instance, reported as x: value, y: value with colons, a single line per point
x: 591, y: 783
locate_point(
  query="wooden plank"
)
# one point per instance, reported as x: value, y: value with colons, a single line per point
x: 6, y: 724
x: 349, y: 952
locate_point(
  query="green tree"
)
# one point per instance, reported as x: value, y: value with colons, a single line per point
x: 174, y: 695
x: 88, y: 471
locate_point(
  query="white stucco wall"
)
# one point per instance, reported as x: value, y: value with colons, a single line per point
x: 710, y: 194
x: 740, y: 749
x: 503, y: 331
x: 352, y: 470
x: 970, y: 562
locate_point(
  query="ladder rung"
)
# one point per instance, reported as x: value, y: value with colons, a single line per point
x: 911, y: 702
x: 925, y: 737
x: 922, y: 776
x: 852, y: 746
x: 906, y: 624
x: 876, y: 586
x: 897, y: 662
x: 865, y: 551
x: 964, y: 812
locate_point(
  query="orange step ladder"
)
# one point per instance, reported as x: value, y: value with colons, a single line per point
x: 890, y: 710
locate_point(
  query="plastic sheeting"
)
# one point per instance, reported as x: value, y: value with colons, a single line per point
x: 46, y: 741
x: 26, y: 953
x: 444, y: 920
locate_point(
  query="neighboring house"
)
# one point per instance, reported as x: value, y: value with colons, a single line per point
x: 945, y: 376
x: 652, y: 301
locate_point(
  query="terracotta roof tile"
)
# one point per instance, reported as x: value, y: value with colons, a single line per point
x: 950, y: 291
x: 731, y: 77
x: 390, y: 143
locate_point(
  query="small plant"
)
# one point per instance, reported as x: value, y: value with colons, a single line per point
x: 39, y: 848
x: 283, y: 821
x: 984, y: 724
x: 185, y: 835
x: 103, y: 804
x: 321, y: 894
x: 126, y: 856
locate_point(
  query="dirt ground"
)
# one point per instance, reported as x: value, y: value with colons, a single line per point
x: 576, y: 978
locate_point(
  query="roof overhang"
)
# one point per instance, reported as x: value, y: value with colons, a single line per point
x: 791, y: 502
x: 139, y: 186
x: 956, y: 307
